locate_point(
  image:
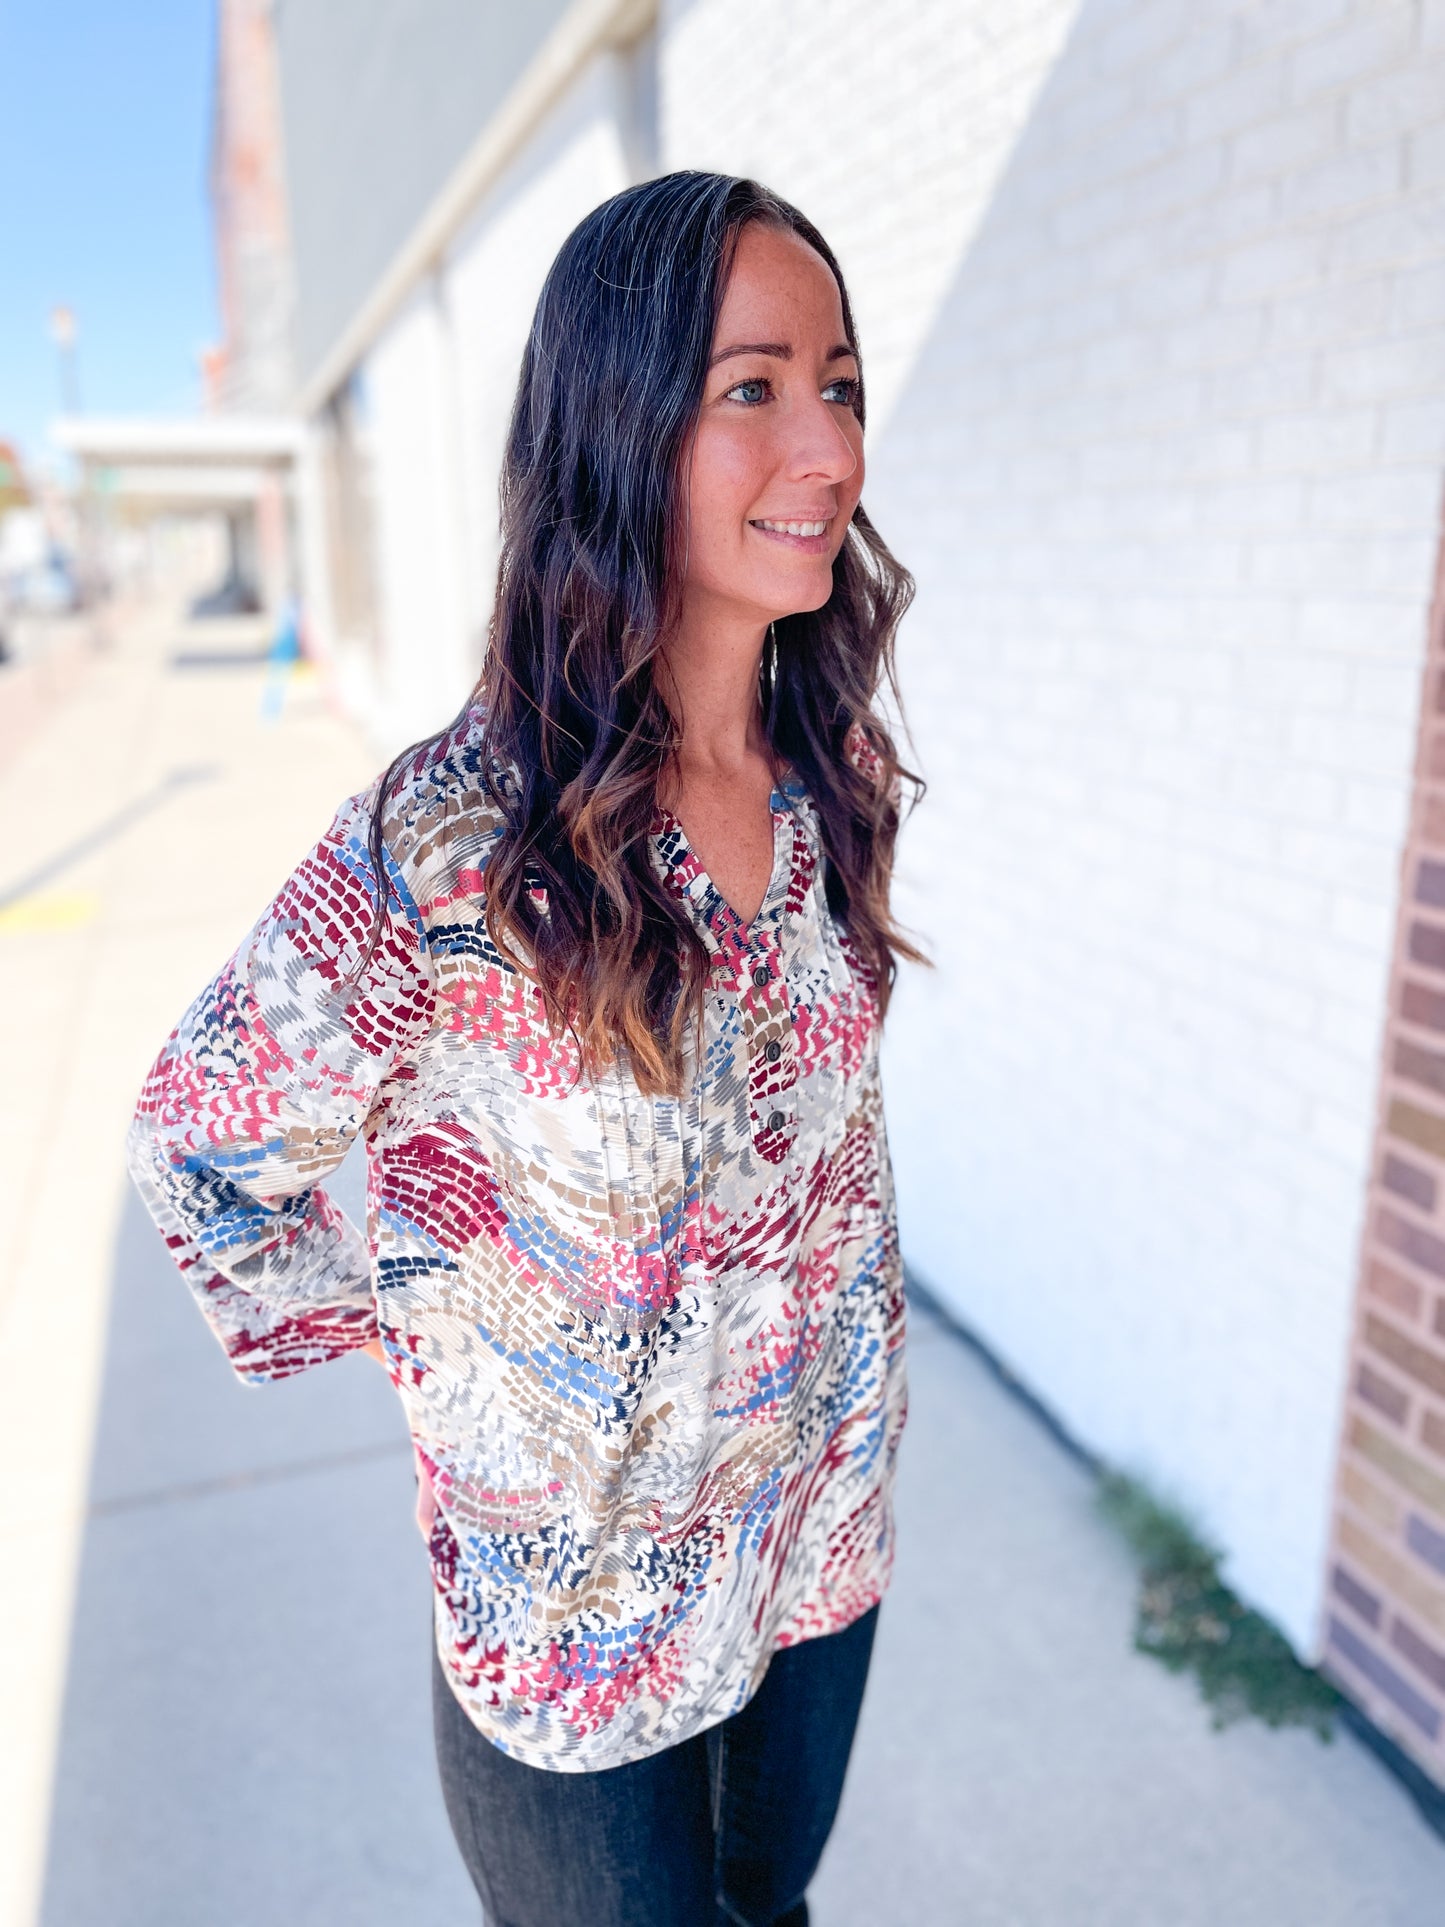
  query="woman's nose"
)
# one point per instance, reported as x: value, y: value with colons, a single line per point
x: 823, y: 447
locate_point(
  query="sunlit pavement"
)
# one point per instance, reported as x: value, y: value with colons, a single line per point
x: 148, y: 816
x: 215, y: 1634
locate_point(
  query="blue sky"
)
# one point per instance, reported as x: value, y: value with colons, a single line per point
x: 104, y: 124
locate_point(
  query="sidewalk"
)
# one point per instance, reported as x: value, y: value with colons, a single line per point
x: 216, y: 1622
x: 115, y: 906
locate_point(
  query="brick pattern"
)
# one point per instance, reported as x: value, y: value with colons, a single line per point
x: 1385, y: 1627
x: 932, y: 95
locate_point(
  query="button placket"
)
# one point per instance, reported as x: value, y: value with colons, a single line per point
x: 747, y: 962
x: 771, y: 1083
x: 774, y: 1090
x: 768, y: 1041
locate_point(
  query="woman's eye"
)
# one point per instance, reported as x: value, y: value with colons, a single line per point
x: 849, y: 386
x: 749, y: 393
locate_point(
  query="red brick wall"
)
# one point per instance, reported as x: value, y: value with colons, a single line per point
x: 248, y: 200
x: 1385, y: 1625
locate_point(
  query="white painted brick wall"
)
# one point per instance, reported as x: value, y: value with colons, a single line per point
x: 1152, y: 294
x: 889, y: 123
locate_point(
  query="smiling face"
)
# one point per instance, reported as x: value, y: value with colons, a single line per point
x: 777, y: 461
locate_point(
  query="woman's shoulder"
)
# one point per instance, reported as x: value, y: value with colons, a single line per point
x: 439, y: 812
x: 861, y: 750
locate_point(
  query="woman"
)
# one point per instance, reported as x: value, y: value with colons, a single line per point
x: 597, y: 975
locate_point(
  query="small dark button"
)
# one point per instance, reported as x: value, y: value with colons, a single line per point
x: 776, y: 1120
x: 773, y: 1051
x: 761, y: 977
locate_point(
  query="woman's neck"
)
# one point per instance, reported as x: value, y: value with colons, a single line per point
x: 711, y: 685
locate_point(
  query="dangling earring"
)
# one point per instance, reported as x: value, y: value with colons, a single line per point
x: 768, y: 691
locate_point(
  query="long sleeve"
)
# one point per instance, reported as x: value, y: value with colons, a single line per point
x: 261, y: 1090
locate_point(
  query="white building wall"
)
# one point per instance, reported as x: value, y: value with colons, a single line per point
x: 496, y: 274
x: 889, y: 122
x: 1153, y: 299
x: 440, y: 385
x: 410, y: 388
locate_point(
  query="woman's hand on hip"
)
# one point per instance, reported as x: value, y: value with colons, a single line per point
x: 426, y: 1503
x: 426, y: 1499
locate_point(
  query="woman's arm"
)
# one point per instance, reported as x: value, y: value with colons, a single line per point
x: 262, y: 1089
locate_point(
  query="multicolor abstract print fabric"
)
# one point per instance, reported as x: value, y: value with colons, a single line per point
x: 650, y: 1349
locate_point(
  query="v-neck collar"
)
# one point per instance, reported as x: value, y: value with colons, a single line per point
x: 683, y: 870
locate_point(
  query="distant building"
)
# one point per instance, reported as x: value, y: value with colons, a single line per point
x: 244, y: 461
x: 254, y: 366
x: 13, y: 492
x: 1151, y: 304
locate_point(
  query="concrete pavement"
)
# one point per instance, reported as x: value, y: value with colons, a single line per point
x: 149, y: 813
x: 216, y: 1620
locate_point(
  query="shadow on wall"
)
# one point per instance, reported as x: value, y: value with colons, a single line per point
x: 1130, y: 1182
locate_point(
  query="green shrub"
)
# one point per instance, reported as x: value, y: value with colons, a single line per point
x: 1190, y: 1621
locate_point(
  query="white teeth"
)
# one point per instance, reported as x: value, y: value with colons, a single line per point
x: 795, y: 528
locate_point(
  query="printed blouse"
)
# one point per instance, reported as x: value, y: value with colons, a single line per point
x: 650, y: 1349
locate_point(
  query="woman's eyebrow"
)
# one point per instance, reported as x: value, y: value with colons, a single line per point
x: 780, y: 349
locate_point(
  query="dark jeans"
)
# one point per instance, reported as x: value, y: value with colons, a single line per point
x: 722, y: 1830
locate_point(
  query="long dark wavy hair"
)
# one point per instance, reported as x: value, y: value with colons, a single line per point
x: 575, y: 731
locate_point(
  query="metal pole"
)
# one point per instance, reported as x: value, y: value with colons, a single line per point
x: 63, y: 333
